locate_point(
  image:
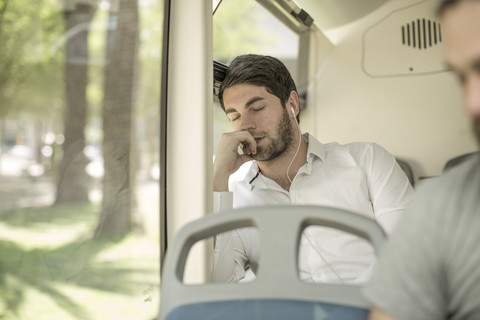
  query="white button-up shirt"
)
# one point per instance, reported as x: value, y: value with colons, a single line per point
x: 359, y: 177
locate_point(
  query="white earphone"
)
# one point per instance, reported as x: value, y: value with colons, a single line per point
x: 298, y: 148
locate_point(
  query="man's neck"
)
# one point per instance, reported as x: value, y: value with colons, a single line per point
x: 277, y: 169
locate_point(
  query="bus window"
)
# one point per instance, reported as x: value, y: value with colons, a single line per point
x: 79, y: 153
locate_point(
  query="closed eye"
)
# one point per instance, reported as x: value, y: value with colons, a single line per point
x: 258, y: 109
x: 234, y: 118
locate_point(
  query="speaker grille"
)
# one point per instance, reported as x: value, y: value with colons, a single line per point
x: 421, y: 33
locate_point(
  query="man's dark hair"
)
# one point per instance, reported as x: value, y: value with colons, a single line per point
x: 265, y: 71
x: 443, y: 5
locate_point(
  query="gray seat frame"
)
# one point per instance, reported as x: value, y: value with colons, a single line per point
x: 280, y: 230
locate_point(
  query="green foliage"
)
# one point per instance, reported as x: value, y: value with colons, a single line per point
x: 148, y: 92
x: 238, y: 29
x: 52, y: 268
x: 97, y: 56
x: 29, y: 74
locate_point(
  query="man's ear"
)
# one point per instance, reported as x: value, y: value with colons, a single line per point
x: 293, y: 101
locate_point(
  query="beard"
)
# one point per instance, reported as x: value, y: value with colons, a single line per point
x: 277, y: 146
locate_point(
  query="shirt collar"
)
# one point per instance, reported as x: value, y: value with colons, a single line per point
x: 253, y: 177
x: 315, y: 148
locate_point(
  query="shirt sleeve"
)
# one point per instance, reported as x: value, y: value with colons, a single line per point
x: 230, y: 258
x: 222, y: 201
x: 389, y: 188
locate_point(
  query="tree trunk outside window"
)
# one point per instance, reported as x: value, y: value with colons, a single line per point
x: 120, y: 78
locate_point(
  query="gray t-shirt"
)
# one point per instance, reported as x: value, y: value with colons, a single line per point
x: 430, y: 268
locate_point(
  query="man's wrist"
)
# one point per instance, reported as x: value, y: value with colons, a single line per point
x: 220, y: 182
x: 220, y: 186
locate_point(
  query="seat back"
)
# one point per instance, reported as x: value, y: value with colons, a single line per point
x: 277, y: 290
x: 458, y: 160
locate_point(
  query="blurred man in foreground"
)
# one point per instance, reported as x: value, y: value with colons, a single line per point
x: 430, y: 267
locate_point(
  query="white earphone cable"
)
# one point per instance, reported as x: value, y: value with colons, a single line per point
x: 298, y: 148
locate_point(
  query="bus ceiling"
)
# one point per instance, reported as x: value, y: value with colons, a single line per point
x: 329, y: 14
x: 299, y: 15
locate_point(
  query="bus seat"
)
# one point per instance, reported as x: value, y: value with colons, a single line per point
x: 277, y: 292
x: 457, y: 160
x: 407, y: 169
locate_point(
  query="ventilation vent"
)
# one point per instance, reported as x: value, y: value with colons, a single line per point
x: 405, y: 41
x: 421, y: 34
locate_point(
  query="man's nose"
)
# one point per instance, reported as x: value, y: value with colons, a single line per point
x: 472, y: 96
x: 247, y: 123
